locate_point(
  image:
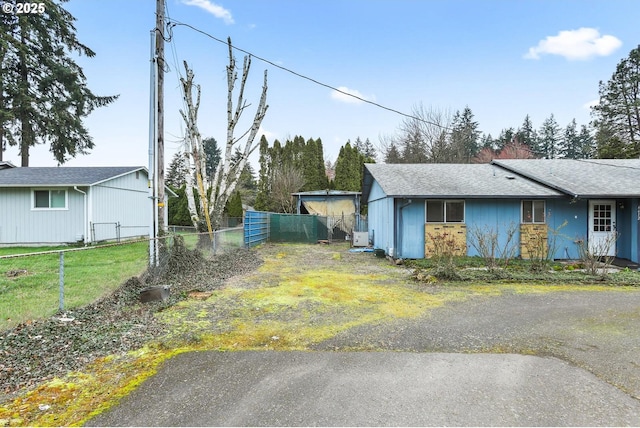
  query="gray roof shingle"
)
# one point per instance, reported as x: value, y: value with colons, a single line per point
x: 452, y: 181
x: 586, y: 178
x: 62, y: 176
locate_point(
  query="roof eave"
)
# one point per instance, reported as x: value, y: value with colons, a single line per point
x: 140, y: 168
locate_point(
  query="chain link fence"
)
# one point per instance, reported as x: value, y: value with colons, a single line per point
x: 40, y: 282
x: 260, y: 227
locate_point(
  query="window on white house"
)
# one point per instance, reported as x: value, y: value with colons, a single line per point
x: 444, y: 211
x: 50, y: 199
x: 533, y: 212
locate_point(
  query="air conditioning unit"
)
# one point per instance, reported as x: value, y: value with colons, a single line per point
x: 360, y: 239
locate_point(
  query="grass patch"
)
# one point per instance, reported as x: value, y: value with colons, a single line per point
x: 29, y: 286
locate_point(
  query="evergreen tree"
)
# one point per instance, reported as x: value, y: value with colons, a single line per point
x: 572, y: 144
x: 323, y: 180
x: 464, y: 144
x: 349, y: 169
x: 247, y: 186
x: 262, y: 197
x: 393, y: 154
x: 586, y: 144
x: 551, y: 146
x: 617, y: 115
x: 312, y: 166
x: 178, y: 211
x: 366, y: 149
x: 487, y: 142
x: 213, y: 155
x: 610, y: 146
x: 234, y: 206
x: 43, y: 92
x: 506, y: 137
x: 177, y: 171
x: 527, y: 135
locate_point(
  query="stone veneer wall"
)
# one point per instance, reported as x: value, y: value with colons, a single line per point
x: 457, y: 230
x: 533, y: 240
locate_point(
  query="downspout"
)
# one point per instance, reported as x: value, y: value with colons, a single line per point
x: 84, y: 215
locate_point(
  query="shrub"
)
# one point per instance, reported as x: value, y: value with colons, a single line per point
x: 486, y: 242
x: 590, y: 255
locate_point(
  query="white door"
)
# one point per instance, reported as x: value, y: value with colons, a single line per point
x: 602, y: 227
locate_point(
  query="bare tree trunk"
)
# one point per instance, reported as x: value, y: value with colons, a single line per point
x: 226, y: 176
x: 225, y: 179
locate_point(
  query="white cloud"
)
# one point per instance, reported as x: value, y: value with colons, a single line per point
x: 346, y: 95
x: 214, y: 9
x: 580, y: 44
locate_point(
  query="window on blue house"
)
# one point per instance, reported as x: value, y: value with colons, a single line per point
x: 533, y: 212
x: 444, y: 211
x: 50, y: 199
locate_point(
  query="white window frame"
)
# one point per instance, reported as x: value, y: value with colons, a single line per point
x: 444, y: 207
x: 49, y: 208
x: 533, y: 210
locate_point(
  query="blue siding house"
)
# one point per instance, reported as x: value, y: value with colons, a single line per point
x: 562, y: 201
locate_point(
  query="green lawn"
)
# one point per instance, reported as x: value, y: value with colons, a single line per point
x: 29, y: 285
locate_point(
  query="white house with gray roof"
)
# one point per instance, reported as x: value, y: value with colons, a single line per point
x: 60, y: 205
x: 561, y: 201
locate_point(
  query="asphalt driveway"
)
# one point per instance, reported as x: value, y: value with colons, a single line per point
x: 371, y: 389
x: 456, y: 366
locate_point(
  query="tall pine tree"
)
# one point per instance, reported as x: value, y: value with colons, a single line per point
x: 617, y: 115
x: 550, y: 139
x: 44, y: 96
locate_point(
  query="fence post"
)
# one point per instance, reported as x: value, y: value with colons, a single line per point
x: 61, y: 270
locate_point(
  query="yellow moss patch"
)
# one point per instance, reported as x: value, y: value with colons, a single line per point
x: 519, y: 288
x: 307, y: 305
x: 74, y: 399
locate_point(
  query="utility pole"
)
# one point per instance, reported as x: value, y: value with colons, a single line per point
x: 160, y: 106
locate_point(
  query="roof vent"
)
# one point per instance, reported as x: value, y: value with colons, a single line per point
x: 510, y: 177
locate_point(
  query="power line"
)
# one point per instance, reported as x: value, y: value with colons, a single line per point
x: 174, y: 23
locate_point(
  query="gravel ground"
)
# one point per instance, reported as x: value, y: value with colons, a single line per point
x: 37, y: 351
x: 595, y: 330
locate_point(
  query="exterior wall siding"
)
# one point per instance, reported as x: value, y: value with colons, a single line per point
x: 21, y: 224
x: 380, y: 219
x: 122, y: 200
x: 627, y: 226
x: 493, y: 216
x: 411, y: 217
x: 567, y: 223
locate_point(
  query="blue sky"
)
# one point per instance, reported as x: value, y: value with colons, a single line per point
x: 502, y: 59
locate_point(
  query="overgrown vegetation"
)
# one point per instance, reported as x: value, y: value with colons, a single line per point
x: 473, y: 270
x: 494, y: 251
x: 110, y: 334
x: 443, y: 249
